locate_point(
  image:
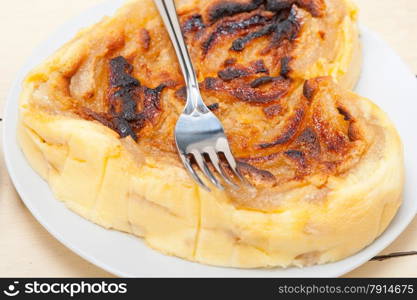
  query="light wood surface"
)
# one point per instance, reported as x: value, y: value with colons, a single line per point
x: 27, y: 249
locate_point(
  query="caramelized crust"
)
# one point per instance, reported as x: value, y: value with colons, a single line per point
x: 125, y: 94
x: 281, y: 127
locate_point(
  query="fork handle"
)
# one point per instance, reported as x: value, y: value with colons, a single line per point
x: 168, y: 12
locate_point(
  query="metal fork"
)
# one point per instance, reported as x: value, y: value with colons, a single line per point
x: 198, y: 132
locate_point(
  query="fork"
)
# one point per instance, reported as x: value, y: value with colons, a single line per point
x: 198, y: 132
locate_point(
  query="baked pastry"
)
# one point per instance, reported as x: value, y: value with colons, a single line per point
x: 97, y: 120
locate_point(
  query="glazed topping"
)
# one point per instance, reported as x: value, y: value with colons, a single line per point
x: 280, y: 127
x: 126, y: 93
x: 230, y: 8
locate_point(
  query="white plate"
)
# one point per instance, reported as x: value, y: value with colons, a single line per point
x: 385, y: 79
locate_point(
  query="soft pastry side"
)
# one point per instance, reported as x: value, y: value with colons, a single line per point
x: 97, y: 119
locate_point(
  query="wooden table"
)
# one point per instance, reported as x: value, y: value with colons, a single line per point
x: 26, y: 249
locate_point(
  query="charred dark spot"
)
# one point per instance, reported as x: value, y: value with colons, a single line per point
x: 214, y: 106
x: 129, y: 106
x: 322, y: 35
x: 261, y: 81
x: 229, y: 8
x: 145, y: 39
x: 347, y: 116
x: 206, y: 45
x: 120, y: 71
x: 231, y: 73
x: 284, y: 25
x: 152, y: 101
x: 211, y: 83
x: 125, y: 88
x: 297, y: 156
x: 232, y: 27
x: 273, y: 110
x: 278, y: 5
x: 255, y: 97
x: 193, y: 24
x: 315, y: 7
x: 255, y: 173
x: 308, y: 137
x: 125, y: 93
x: 289, y: 131
x: 286, y: 29
x: 240, y: 43
x: 285, y: 66
x: 310, y: 89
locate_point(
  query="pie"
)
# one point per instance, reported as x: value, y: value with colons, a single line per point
x: 325, y: 166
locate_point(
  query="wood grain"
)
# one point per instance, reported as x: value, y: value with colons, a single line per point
x: 28, y: 250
